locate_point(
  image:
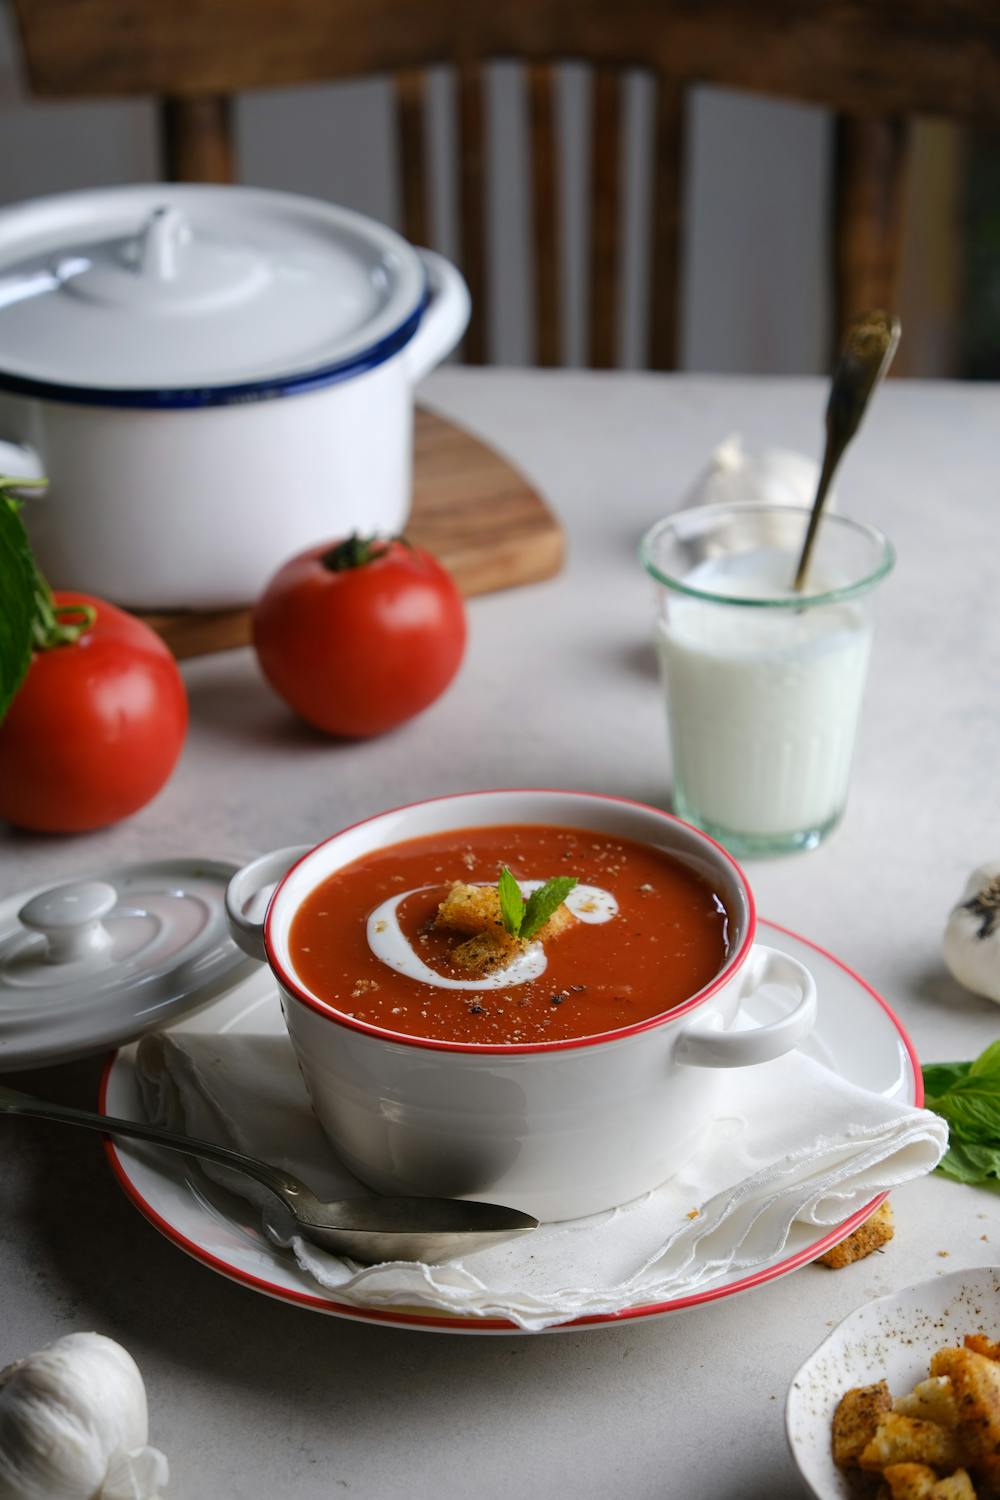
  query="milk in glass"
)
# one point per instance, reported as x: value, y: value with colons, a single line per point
x: 763, y: 702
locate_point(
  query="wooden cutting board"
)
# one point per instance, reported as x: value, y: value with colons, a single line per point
x: 471, y: 508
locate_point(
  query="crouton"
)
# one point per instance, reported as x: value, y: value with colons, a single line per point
x: 910, y: 1481
x: 918, y: 1482
x: 957, y: 1486
x: 901, y: 1440
x: 476, y: 908
x: 933, y: 1400
x: 470, y: 909
x: 475, y: 911
x: 939, y: 1442
x: 869, y: 1237
x: 560, y: 919
x: 982, y: 1345
x: 486, y: 951
x: 855, y: 1421
x: 975, y: 1381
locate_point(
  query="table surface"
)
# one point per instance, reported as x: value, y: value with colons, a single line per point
x: 250, y: 1398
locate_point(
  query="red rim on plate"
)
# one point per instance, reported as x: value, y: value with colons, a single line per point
x: 454, y: 1324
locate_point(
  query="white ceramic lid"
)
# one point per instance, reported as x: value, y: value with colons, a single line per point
x: 96, y: 962
x: 172, y: 294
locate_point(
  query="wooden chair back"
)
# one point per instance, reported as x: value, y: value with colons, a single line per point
x: 874, y: 62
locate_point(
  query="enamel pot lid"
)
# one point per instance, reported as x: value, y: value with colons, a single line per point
x: 170, y: 295
x: 99, y: 961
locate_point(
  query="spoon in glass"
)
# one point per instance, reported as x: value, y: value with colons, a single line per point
x: 371, y: 1229
x: 865, y: 356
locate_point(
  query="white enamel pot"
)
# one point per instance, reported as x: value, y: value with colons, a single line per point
x: 559, y: 1129
x: 211, y: 379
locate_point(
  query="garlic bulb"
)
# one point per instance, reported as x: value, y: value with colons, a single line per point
x: 772, y: 476
x: 73, y: 1425
x: 971, y: 944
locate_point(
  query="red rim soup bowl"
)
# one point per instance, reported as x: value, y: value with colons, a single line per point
x: 558, y: 1129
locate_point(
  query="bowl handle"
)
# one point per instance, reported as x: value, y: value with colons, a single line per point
x: 248, y: 896
x: 705, y: 1043
x: 444, y: 320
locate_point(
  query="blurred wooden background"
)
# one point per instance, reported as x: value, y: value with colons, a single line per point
x: 805, y: 211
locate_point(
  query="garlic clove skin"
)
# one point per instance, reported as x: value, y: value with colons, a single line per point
x: 770, y: 476
x: 137, y: 1475
x: 971, y: 942
x: 73, y: 1421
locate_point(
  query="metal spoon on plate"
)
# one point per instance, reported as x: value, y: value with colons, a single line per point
x: 865, y: 356
x: 371, y: 1229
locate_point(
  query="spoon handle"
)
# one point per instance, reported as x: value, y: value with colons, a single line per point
x: 865, y: 356
x: 291, y: 1192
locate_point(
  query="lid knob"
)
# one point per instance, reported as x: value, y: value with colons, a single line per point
x: 69, y: 917
x: 164, y: 235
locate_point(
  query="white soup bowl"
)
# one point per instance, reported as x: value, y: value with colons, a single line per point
x: 557, y: 1129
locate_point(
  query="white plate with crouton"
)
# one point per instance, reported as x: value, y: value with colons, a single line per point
x: 921, y: 1433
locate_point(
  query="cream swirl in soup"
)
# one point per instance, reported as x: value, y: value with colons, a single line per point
x: 391, y: 945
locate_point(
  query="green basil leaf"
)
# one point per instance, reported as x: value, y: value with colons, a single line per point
x: 967, y: 1097
x: 973, y: 1120
x: 17, y: 600
x: 978, y: 1165
x: 511, y: 902
x: 543, y: 902
x: 987, y: 1065
x: 939, y: 1078
x: 972, y: 1107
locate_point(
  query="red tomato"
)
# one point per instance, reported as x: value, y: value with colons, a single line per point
x: 95, y: 728
x: 359, y: 635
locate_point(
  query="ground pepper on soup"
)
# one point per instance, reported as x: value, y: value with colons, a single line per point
x: 644, y: 932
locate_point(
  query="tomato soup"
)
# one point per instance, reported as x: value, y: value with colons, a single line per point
x: 646, y: 932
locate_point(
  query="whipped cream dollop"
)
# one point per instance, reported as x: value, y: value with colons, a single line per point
x: 389, y: 943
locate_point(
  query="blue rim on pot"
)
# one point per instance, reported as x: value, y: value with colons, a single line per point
x: 115, y: 271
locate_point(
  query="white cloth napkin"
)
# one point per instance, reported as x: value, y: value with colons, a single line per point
x: 796, y: 1144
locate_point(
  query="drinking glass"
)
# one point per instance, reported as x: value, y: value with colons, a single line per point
x: 763, y: 685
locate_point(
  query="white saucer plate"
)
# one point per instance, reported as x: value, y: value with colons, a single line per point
x: 857, y: 1035
x: 892, y: 1339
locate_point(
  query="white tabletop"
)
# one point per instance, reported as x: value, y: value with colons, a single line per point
x: 253, y: 1399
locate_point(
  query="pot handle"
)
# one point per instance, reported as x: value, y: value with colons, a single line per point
x: 705, y: 1043
x: 445, y: 317
x: 18, y: 461
x: 248, y: 896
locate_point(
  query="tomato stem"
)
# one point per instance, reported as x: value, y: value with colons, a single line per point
x: 356, y: 552
x: 57, y: 624
x: 52, y: 624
